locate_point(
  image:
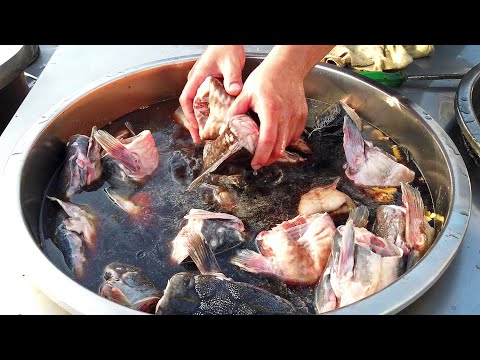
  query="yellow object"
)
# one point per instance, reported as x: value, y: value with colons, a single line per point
x: 376, y: 57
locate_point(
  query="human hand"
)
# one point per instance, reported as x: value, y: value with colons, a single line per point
x: 219, y: 61
x: 274, y: 90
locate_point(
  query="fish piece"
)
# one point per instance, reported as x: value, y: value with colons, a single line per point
x: 229, y: 143
x: 296, y: 251
x: 212, y: 293
x: 418, y: 232
x: 368, y: 165
x: 326, y: 199
x: 210, y: 106
x: 228, y: 136
x: 136, y: 157
x: 83, y: 164
x: 71, y: 246
x: 129, y: 286
x: 390, y: 225
x: 138, y: 205
x: 360, y: 264
x: 79, y: 221
x: 222, y: 231
x: 356, y: 270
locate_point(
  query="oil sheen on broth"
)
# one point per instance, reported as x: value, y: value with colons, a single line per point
x: 271, y: 196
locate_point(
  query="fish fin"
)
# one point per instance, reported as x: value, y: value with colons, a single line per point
x: 112, y: 293
x: 415, y: 217
x: 69, y: 208
x: 146, y: 305
x: 359, y: 216
x: 334, y: 184
x: 233, y: 149
x: 116, y: 149
x: 352, y: 114
x: 346, y: 261
x: 252, y: 261
x: 129, y: 127
x: 201, y: 254
x: 353, y: 144
x: 93, y: 145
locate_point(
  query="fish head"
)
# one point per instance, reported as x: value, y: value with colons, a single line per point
x: 127, y: 285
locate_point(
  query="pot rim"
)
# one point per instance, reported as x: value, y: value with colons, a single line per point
x: 78, y: 299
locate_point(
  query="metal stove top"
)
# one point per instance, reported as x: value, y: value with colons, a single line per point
x: 72, y: 67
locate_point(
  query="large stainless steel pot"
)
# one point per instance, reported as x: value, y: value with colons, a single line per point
x: 40, y: 152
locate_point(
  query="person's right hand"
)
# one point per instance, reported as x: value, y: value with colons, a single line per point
x: 219, y: 61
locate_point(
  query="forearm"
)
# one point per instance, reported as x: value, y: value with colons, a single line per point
x: 297, y: 59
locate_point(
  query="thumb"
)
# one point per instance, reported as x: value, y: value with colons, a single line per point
x: 232, y: 77
x: 239, y: 106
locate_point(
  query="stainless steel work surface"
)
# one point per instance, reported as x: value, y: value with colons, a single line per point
x: 73, y: 67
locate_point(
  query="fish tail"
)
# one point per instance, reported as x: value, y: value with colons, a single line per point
x: 413, y: 202
x: 353, y: 144
x: 345, y: 264
x: 115, y: 148
x: 359, y: 216
x: 252, y: 261
x: 201, y: 253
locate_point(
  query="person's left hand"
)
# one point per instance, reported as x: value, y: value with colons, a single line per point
x: 275, y: 92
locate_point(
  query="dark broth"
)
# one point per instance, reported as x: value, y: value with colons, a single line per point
x: 272, y: 197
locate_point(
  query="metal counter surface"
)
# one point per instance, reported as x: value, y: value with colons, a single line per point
x: 72, y: 67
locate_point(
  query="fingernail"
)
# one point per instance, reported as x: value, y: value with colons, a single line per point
x: 235, y: 86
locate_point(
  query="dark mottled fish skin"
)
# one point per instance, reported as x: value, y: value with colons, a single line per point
x: 129, y: 286
x: 189, y: 294
x: 220, y: 236
x: 72, y: 248
x: 212, y: 293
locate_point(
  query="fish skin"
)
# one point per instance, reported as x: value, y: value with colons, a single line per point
x: 82, y: 166
x: 325, y: 199
x: 72, y: 248
x: 222, y: 231
x: 79, y: 221
x: 295, y: 251
x: 135, y: 157
x: 129, y: 286
x: 211, y: 293
x: 390, y: 224
x: 368, y: 165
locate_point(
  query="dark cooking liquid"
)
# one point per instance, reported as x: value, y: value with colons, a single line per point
x: 272, y: 197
